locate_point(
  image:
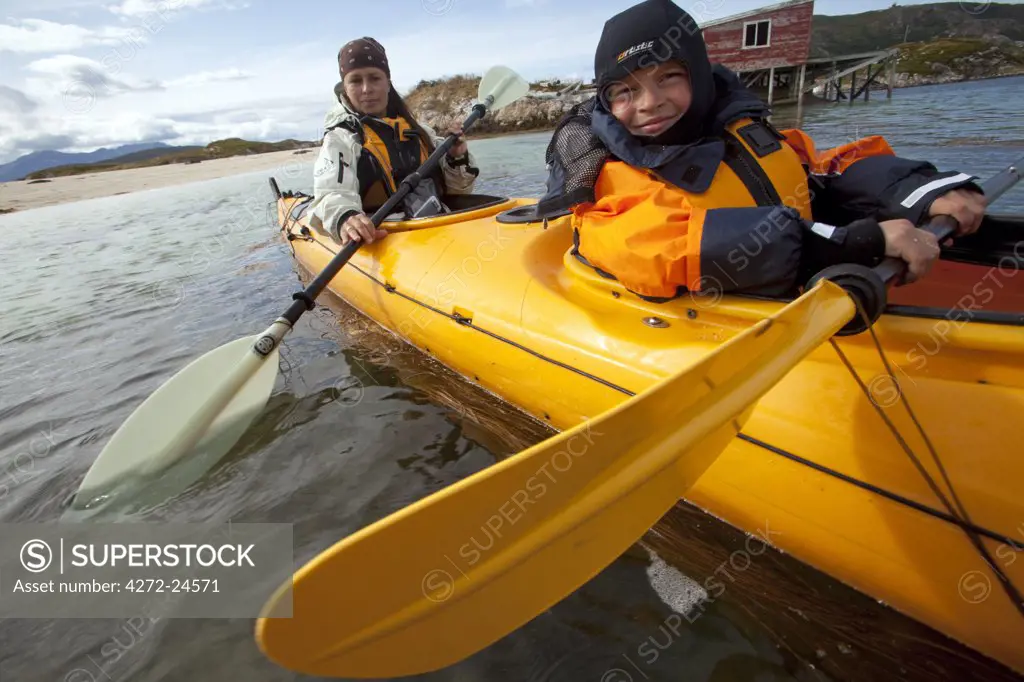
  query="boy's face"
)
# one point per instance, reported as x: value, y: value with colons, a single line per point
x: 650, y: 101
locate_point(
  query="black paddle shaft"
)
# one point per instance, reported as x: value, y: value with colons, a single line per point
x: 304, y: 300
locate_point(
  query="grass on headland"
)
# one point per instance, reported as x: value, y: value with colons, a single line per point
x: 957, y: 54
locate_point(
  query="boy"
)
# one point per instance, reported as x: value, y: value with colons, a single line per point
x: 677, y: 181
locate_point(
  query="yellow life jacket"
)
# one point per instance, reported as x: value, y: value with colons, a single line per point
x: 395, y: 153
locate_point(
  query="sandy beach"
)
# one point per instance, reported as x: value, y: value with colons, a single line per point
x: 22, y: 195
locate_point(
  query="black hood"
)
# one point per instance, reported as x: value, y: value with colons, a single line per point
x: 650, y: 33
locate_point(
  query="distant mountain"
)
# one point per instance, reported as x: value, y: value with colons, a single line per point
x: 168, y: 155
x: 882, y: 29
x: 30, y: 163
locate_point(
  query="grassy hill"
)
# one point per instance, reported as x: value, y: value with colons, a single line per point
x: 938, y: 43
x: 967, y: 57
x: 215, y: 150
x: 147, y: 154
x: 881, y: 29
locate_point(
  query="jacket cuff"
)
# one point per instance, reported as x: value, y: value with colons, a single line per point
x: 861, y: 241
x: 336, y: 229
x: 913, y: 197
x: 865, y: 242
x: 466, y: 161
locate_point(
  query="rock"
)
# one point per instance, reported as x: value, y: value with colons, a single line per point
x: 529, y: 113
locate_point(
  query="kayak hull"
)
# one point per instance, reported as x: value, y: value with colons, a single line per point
x: 507, y: 306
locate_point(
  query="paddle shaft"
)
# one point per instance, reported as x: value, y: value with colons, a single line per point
x: 944, y: 226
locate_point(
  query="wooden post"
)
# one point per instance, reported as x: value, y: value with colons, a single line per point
x: 892, y: 75
x: 771, y: 84
x: 853, y: 87
x: 867, y: 86
x: 800, y: 94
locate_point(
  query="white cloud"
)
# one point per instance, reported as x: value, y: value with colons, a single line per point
x: 137, y: 8
x: 14, y: 7
x: 39, y: 35
x: 547, y: 51
x: 206, y: 77
x: 109, y: 123
x: 15, y: 101
x: 281, y: 92
x: 83, y: 78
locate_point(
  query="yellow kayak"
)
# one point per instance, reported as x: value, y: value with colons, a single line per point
x: 823, y: 460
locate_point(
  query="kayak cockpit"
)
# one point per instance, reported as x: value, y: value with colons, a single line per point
x: 463, y: 207
x: 974, y: 281
x: 976, y: 277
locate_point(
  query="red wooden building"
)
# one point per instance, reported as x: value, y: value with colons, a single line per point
x: 769, y: 48
x: 771, y: 44
x: 777, y: 36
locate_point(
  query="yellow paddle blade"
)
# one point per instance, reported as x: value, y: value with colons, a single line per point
x: 450, y: 574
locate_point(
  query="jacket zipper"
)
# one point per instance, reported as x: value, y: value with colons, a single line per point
x: 750, y: 173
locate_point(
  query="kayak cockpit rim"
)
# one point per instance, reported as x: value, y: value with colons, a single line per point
x: 462, y: 207
x: 997, y: 245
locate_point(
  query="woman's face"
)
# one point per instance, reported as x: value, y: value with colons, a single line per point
x: 650, y: 101
x: 367, y: 89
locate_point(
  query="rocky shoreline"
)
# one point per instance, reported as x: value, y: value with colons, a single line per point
x: 904, y: 80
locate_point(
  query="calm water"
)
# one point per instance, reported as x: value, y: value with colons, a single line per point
x: 104, y: 300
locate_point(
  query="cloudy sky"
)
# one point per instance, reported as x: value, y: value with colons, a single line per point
x: 76, y: 75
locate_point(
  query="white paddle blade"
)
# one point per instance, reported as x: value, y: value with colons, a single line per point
x: 201, y: 411
x: 504, y: 85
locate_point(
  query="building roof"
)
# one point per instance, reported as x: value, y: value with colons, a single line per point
x: 755, y: 12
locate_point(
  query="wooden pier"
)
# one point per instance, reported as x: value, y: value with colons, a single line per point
x: 769, y: 48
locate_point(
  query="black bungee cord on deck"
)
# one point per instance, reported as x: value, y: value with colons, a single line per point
x: 960, y: 513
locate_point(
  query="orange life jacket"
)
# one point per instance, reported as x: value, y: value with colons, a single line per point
x: 647, y: 232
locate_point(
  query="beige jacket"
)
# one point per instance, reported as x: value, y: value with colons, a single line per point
x: 336, y: 193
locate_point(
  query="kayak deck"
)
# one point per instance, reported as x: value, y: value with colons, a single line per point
x: 508, y: 307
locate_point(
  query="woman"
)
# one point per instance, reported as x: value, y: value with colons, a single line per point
x: 678, y: 182
x: 371, y: 143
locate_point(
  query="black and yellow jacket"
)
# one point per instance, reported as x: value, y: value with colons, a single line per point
x: 746, y: 208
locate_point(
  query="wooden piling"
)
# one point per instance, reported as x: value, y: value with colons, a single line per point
x: 800, y: 94
x: 891, y: 62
